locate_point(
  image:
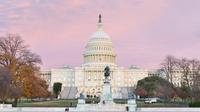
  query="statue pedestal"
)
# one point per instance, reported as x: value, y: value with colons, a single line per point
x: 81, y: 101
x: 106, y: 104
x: 81, y: 104
x: 107, y: 93
x: 132, y: 105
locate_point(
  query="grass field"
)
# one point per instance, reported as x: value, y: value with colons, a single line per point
x: 68, y: 103
x: 142, y: 104
x: 53, y: 103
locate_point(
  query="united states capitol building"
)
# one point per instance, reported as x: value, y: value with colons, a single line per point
x: 88, y: 78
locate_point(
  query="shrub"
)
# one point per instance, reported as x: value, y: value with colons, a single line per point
x: 120, y: 101
x: 194, y: 104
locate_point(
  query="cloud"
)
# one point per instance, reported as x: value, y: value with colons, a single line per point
x: 14, y: 16
x: 24, y: 5
x: 78, y: 3
x: 143, y: 31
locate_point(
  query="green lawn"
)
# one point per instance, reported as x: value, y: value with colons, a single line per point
x: 142, y: 104
x: 53, y: 103
x: 67, y: 103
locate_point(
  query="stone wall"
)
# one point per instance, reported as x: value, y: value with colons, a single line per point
x: 53, y: 109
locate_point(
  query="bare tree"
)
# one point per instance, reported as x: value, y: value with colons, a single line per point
x: 18, y: 59
x: 195, y: 73
x: 169, y: 65
x: 184, y: 66
x: 189, y: 70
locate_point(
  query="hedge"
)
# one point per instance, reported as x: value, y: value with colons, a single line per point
x: 194, y: 104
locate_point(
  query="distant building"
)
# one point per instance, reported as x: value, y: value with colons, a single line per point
x: 157, y: 72
x: 88, y: 78
x: 177, y: 76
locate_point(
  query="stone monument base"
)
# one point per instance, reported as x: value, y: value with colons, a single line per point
x: 100, y: 108
x: 104, y: 107
x: 132, y: 105
x: 81, y: 104
x: 81, y: 101
x: 5, y: 106
x: 106, y: 103
x: 106, y: 97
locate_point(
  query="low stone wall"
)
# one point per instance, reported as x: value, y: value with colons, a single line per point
x: 5, y: 106
x: 49, y: 109
x: 33, y: 109
x: 168, y: 109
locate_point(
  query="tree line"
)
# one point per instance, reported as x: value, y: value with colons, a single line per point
x: 189, y: 70
x: 183, y: 70
x: 19, y: 69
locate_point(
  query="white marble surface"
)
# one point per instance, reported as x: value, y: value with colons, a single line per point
x: 5, y: 106
x: 102, y: 109
x: 168, y: 109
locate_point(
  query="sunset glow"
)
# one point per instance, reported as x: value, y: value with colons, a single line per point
x: 143, y: 32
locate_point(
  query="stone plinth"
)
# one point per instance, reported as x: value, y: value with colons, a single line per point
x: 107, y: 93
x: 99, y: 108
x: 81, y: 101
x: 132, y: 105
x: 81, y: 105
x: 106, y: 97
x: 5, y: 106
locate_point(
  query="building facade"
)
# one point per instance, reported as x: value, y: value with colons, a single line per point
x: 178, y: 77
x: 88, y: 78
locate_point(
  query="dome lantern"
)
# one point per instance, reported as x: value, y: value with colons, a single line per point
x: 99, y: 49
x: 100, y: 24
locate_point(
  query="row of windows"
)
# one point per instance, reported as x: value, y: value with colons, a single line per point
x: 126, y: 80
x: 100, y: 58
x: 69, y: 80
x: 89, y: 79
x: 179, y: 84
x: 100, y: 48
x: 63, y: 72
x: 68, y: 84
x: 95, y: 79
x: 181, y: 72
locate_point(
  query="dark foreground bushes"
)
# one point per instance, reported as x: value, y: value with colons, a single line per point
x: 194, y: 104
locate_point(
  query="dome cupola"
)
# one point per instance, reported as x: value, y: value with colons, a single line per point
x: 99, y: 49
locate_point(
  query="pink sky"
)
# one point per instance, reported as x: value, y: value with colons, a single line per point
x: 143, y: 31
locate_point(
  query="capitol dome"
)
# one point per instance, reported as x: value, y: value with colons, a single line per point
x: 99, y: 49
